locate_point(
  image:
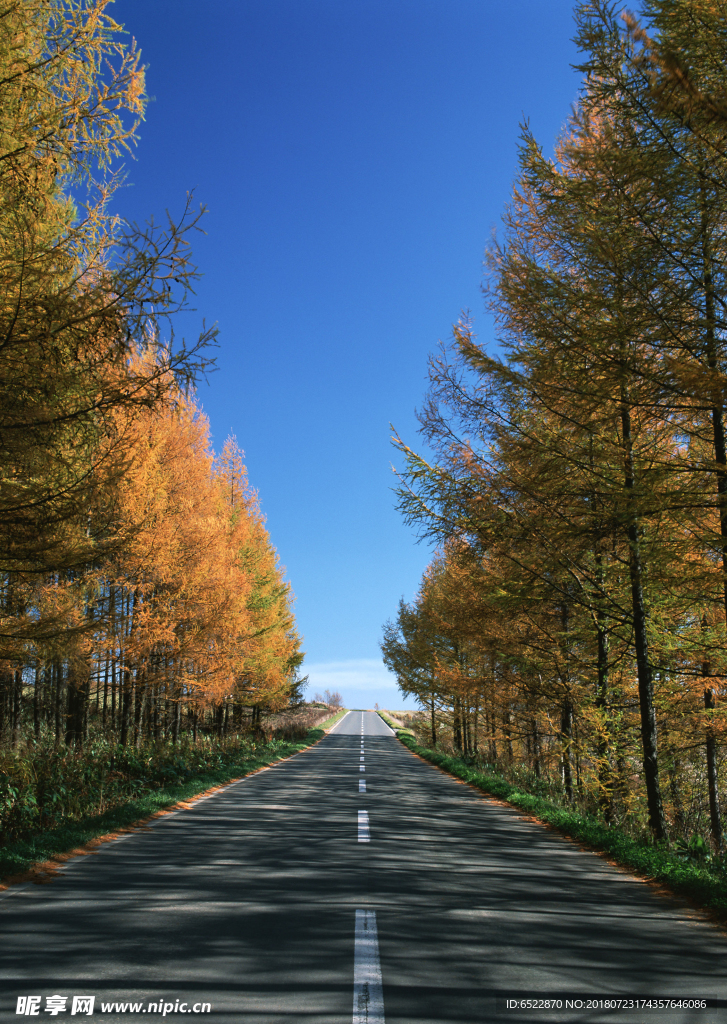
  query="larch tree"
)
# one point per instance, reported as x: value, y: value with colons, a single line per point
x: 129, y: 571
x: 80, y: 291
x: 587, y: 416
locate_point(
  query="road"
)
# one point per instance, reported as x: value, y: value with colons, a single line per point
x: 296, y: 897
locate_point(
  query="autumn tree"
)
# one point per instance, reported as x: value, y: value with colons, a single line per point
x: 135, y: 569
x: 80, y: 292
x: 584, y: 455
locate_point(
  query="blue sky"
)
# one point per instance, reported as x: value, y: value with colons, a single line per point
x: 354, y: 156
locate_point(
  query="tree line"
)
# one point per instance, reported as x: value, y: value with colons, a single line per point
x: 571, y: 626
x: 140, y: 594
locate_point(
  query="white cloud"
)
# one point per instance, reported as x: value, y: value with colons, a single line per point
x: 366, y: 673
x: 361, y: 682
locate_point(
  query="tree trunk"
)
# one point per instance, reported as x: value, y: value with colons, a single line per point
x: 155, y: 713
x: 476, y: 722
x: 105, y: 694
x: 85, y: 706
x: 175, y: 722
x: 4, y: 677
x: 140, y: 696
x: 657, y: 821
x: 457, y: 727
x: 605, y: 782
x: 718, y: 430
x: 720, y: 458
x: 566, y: 739
x: 507, y: 729
x: 37, y: 699
x: 126, y: 698
x: 125, y: 678
x: 58, y: 701
x: 535, y: 746
x: 113, y: 696
x: 71, y: 701
x: 715, y: 818
x: 17, y: 705
x: 566, y: 710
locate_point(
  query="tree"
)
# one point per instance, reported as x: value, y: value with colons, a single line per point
x: 81, y: 293
x: 128, y: 552
x: 576, y: 419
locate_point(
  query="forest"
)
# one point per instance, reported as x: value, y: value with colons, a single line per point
x: 570, y: 632
x: 142, y: 599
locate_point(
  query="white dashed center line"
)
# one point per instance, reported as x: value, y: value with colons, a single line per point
x: 362, y: 785
x: 363, y: 827
x: 368, y: 994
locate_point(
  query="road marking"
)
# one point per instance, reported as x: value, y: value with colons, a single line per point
x: 362, y: 785
x: 361, y: 758
x: 363, y: 827
x: 362, y: 769
x: 368, y: 994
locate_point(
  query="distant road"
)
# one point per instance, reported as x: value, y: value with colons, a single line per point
x: 348, y: 885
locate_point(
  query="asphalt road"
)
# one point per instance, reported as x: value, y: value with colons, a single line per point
x: 294, y: 897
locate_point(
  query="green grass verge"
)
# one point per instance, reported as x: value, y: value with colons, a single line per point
x: 19, y: 856
x: 392, y: 725
x: 657, y: 863
x: 330, y: 722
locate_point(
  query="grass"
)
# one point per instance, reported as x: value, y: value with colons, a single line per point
x: 18, y: 857
x: 701, y: 882
x: 397, y: 728
x: 330, y: 722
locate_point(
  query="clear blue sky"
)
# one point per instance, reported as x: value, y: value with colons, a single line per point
x: 354, y: 156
